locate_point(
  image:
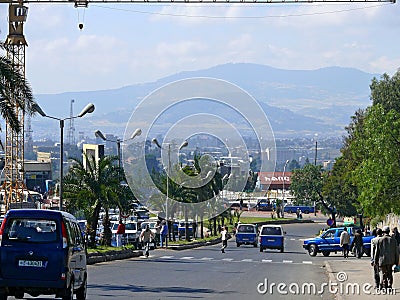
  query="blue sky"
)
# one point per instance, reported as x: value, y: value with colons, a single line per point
x: 134, y: 43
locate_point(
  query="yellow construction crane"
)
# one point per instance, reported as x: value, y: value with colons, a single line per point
x: 15, y: 46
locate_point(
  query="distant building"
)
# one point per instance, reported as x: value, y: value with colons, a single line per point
x: 273, y: 180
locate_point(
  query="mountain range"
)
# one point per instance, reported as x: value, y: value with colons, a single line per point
x: 297, y: 102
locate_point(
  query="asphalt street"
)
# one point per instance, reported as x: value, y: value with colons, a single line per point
x: 206, y: 273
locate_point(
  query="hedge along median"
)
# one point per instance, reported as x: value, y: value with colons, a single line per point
x: 97, y: 257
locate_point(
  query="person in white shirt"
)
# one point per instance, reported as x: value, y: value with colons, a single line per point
x: 344, y: 242
x: 224, y: 238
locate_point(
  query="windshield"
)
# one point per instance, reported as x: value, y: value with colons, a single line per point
x: 31, y: 230
x: 246, y: 229
x: 130, y: 226
x: 271, y: 231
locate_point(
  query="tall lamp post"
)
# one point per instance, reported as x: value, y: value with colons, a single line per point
x: 136, y: 133
x: 183, y: 145
x: 89, y: 108
x: 283, y: 188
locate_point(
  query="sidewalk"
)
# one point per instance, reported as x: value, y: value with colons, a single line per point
x: 356, y: 273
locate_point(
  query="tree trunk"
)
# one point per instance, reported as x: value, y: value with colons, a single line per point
x: 201, y: 228
x: 107, y: 234
x: 93, y: 226
x: 215, y: 226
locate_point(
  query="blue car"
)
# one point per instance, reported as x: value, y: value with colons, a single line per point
x: 42, y: 253
x: 246, y: 234
x: 329, y: 241
x: 272, y: 237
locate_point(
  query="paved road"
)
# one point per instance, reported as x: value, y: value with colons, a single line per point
x: 206, y: 273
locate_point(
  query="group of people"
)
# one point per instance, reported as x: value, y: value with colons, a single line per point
x: 385, y: 250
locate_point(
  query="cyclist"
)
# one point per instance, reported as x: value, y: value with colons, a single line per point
x: 146, y: 236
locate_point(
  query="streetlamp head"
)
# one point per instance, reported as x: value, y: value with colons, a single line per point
x: 36, y: 108
x: 154, y: 141
x: 99, y: 134
x: 136, y: 133
x: 87, y: 110
x: 183, y: 145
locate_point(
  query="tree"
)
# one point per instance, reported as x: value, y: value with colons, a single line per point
x: 307, y: 184
x: 14, y: 90
x: 92, y: 188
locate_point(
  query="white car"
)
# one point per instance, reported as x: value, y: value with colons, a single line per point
x: 131, y: 235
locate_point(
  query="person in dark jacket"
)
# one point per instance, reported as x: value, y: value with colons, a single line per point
x: 386, y: 256
x: 357, y: 245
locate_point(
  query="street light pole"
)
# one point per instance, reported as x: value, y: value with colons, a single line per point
x: 184, y: 144
x: 89, y: 108
x: 136, y: 133
x: 283, y: 188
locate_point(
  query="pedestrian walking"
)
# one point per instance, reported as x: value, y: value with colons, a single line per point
x: 146, y: 237
x: 396, y: 236
x: 158, y: 233
x: 374, y: 243
x: 164, y: 233
x: 224, y: 238
x: 357, y: 245
x: 120, y: 232
x: 386, y: 256
x: 344, y: 242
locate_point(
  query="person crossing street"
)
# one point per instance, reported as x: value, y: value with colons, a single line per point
x: 146, y: 237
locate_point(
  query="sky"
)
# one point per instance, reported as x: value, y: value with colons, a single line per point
x: 125, y: 44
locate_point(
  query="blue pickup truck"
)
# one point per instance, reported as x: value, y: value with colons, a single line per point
x: 329, y: 241
x: 291, y: 209
x: 246, y: 234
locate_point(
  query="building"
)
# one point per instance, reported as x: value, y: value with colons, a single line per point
x: 268, y: 181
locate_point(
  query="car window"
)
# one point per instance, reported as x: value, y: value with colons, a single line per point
x: 31, y: 230
x: 271, y: 231
x: 246, y: 229
x: 130, y: 226
x: 330, y: 234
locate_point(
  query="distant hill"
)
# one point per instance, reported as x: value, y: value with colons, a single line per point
x: 297, y: 102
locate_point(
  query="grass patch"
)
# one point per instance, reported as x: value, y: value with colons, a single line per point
x: 253, y: 220
x: 104, y: 249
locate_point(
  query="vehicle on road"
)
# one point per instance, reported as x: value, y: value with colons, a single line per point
x: 291, y: 209
x: 329, y: 241
x: 182, y: 228
x: 246, y: 234
x: 272, y: 237
x: 264, y: 204
x: 42, y: 253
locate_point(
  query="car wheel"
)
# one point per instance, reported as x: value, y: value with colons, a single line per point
x: 237, y: 244
x: 261, y: 249
x: 81, y: 292
x: 367, y: 252
x: 282, y: 249
x: 306, y: 212
x: 312, y: 250
x: 69, y: 292
x: 325, y: 253
x: 255, y: 245
x: 19, y: 295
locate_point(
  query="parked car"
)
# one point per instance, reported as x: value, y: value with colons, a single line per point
x: 131, y: 236
x: 291, y: 209
x: 42, y: 253
x: 264, y: 204
x: 246, y: 234
x: 272, y: 237
x: 182, y: 228
x: 329, y: 241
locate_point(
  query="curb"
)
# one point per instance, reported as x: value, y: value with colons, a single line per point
x: 332, y: 278
x: 94, y: 258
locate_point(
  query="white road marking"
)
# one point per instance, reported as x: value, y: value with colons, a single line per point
x: 287, y: 261
x: 227, y: 259
x: 166, y: 256
x: 307, y: 262
x: 292, y: 239
x: 187, y: 257
x: 247, y: 260
x: 207, y: 258
x: 266, y: 260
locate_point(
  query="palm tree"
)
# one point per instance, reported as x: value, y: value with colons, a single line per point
x: 14, y: 91
x: 92, y: 188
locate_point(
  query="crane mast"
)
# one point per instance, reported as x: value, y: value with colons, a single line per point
x: 15, y: 47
